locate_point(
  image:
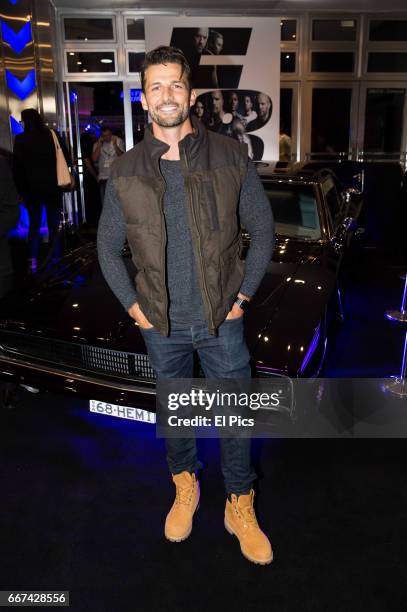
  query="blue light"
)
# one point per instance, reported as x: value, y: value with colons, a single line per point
x: 13, y: 1
x: 135, y: 95
x: 15, y: 126
x: 311, y: 349
x: 24, y: 88
x: 17, y: 40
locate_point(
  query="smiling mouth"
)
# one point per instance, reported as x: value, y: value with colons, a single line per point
x: 168, y: 109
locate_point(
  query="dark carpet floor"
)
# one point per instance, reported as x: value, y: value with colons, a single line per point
x: 84, y: 498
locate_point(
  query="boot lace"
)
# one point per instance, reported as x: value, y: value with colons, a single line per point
x: 247, y: 513
x: 184, y: 495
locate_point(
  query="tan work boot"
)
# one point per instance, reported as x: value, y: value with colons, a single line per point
x: 241, y: 521
x: 178, y: 524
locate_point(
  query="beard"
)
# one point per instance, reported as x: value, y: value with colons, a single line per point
x: 177, y: 118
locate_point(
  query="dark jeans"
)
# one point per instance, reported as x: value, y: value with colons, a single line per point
x: 222, y: 356
x: 53, y: 207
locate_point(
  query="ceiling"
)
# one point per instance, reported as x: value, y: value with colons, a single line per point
x: 237, y: 7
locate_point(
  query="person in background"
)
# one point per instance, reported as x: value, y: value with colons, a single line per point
x: 199, y: 110
x: 215, y: 42
x: 285, y: 145
x: 105, y: 151
x: 9, y: 215
x: 234, y: 104
x: 220, y: 121
x: 93, y: 205
x: 249, y: 112
x: 264, y: 114
x: 239, y: 133
x: 202, y: 76
x: 35, y: 175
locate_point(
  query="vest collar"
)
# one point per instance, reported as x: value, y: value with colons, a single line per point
x: 192, y: 143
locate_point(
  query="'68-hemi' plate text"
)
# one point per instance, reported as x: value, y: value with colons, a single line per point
x: 122, y: 412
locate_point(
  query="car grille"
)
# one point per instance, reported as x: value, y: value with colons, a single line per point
x: 90, y: 358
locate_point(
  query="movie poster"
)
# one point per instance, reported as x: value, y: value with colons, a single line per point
x: 235, y: 65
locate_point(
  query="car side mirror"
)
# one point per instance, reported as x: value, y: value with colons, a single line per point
x: 349, y: 224
x: 352, y: 192
x: 357, y: 187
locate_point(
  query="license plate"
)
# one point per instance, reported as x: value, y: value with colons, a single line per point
x: 122, y: 412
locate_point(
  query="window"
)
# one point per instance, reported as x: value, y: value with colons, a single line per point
x: 295, y: 210
x: 332, y: 200
x: 394, y: 61
x: 135, y: 29
x: 334, y: 29
x: 330, y: 127
x: 388, y: 30
x: 78, y: 28
x: 384, y: 120
x: 91, y: 61
x: 288, y: 30
x: 332, y: 61
x: 135, y: 61
x: 287, y: 61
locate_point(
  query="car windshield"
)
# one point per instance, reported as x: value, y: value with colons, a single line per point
x: 295, y: 210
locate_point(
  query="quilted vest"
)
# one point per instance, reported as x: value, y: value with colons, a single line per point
x: 214, y: 168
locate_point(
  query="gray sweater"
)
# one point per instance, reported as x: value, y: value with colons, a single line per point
x: 185, y: 299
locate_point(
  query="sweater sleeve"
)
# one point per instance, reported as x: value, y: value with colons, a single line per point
x: 257, y: 218
x: 111, y: 237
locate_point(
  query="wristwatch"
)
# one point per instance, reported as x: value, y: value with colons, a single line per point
x: 244, y: 304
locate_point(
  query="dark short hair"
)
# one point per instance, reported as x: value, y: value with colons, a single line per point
x: 166, y: 55
x: 105, y: 128
x: 32, y: 120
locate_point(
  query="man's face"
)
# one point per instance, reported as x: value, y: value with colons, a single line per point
x: 217, y: 102
x: 264, y: 106
x: 200, y: 39
x: 106, y: 135
x: 166, y: 96
x: 238, y: 127
x: 248, y: 104
x: 234, y: 101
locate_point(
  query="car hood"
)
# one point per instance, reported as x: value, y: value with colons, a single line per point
x: 289, y: 306
x: 72, y: 302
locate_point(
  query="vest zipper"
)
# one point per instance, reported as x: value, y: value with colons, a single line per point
x: 199, y: 247
x: 163, y: 247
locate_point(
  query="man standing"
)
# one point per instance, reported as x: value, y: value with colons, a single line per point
x: 178, y: 196
x: 105, y: 151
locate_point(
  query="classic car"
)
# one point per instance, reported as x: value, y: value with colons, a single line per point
x: 66, y: 331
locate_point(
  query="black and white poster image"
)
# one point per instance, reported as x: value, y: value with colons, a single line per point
x: 235, y: 63
x: 206, y: 41
x: 236, y: 113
